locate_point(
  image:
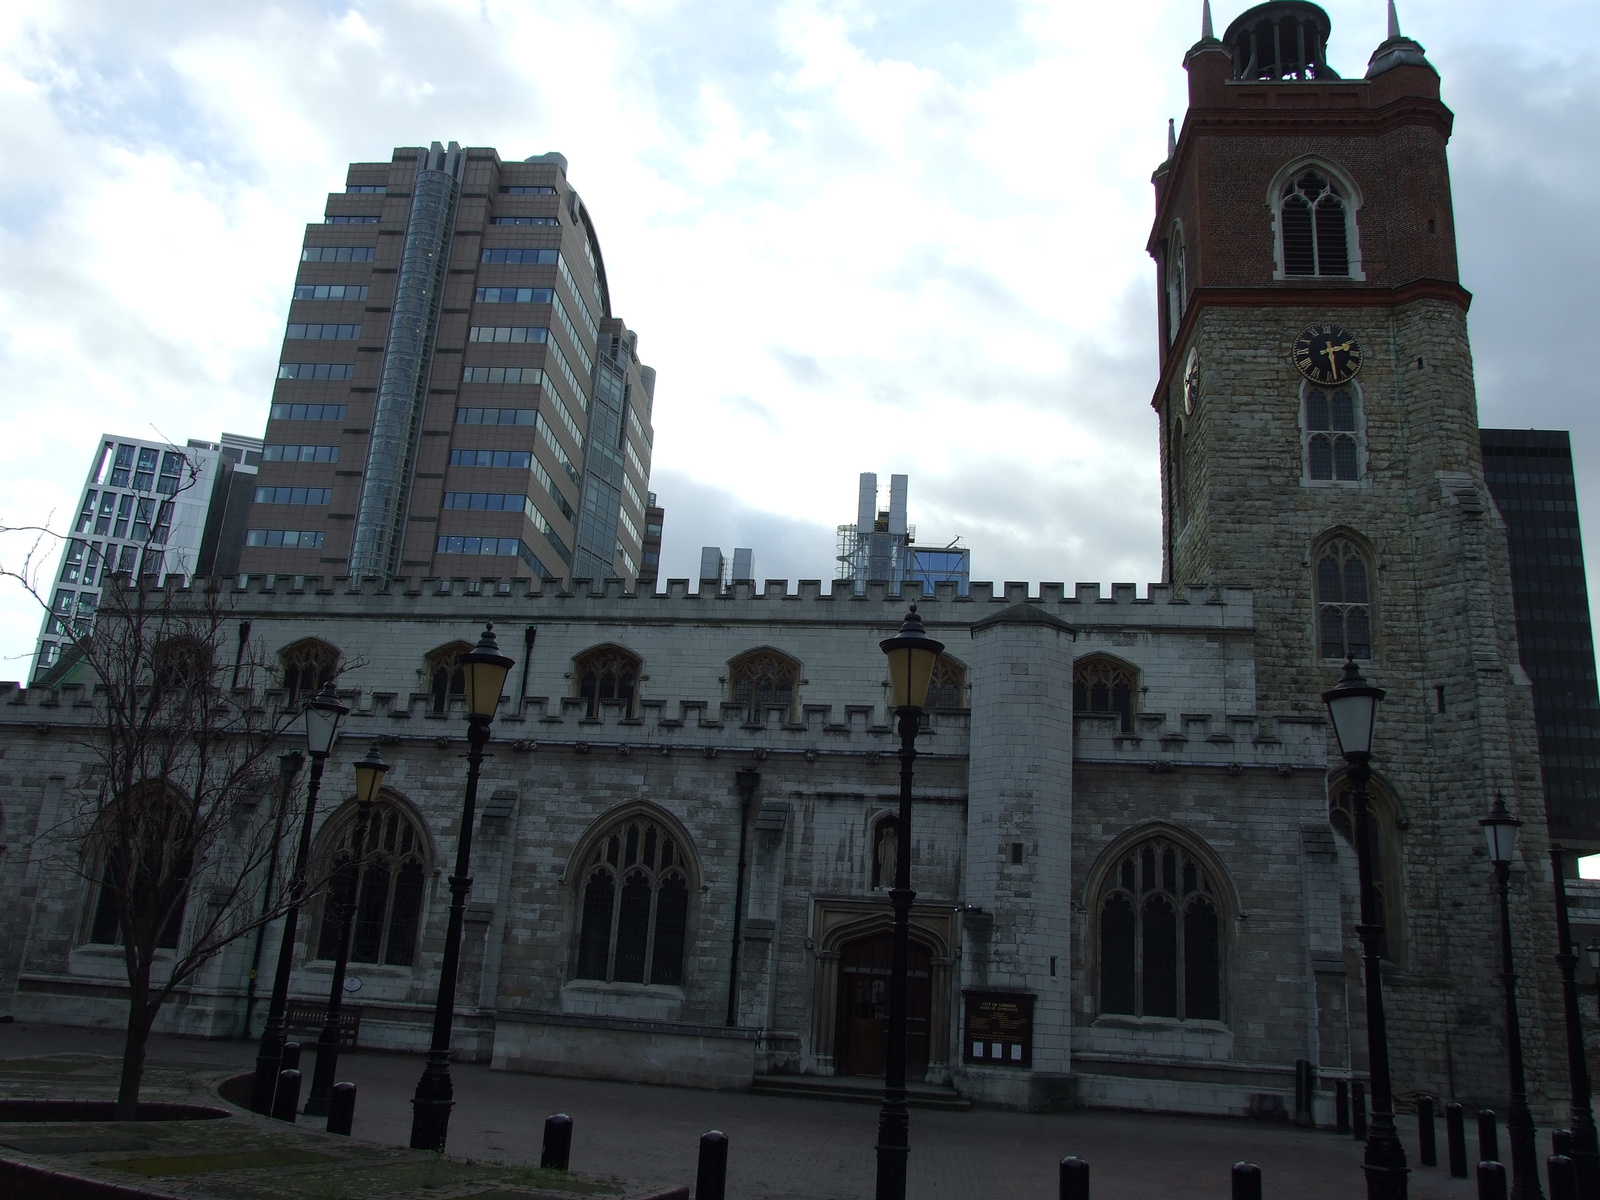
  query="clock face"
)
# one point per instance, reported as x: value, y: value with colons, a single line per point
x: 1327, y: 354
x: 1191, y: 381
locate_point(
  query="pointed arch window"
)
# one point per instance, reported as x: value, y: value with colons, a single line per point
x: 633, y: 906
x: 1160, y: 935
x: 1177, y: 281
x: 608, y: 673
x: 948, y: 686
x: 447, y: 678
x: 761, y: 680
x: 1102, y: 684
x: 307, y: 665
x: 386, y: 877
x: 137, y: 877
x: 1343, y: 601
x: 1313, y: 224
x: 1331, y: 429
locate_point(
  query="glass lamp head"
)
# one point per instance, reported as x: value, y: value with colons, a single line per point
x: 912, y: 654
x: 323, y: 713
x: 369, y: 775
x: 1353, y: 706
x: 486, y: 670
x: 1500, y: 831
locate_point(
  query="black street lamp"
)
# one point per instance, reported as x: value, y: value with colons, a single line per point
x: 323, y: 712
x: 486, y: 670
x: 342, y: 896
x: 912, y: 654
x: 1585, y: 1150
x: 1500, y: 829
x: 1353, y: 706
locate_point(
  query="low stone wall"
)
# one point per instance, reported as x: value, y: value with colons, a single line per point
x: 588, y: 1047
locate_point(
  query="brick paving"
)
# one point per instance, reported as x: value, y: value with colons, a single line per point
x: 801, y: 1149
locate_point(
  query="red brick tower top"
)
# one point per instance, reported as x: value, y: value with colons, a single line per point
x: 1289, y: 185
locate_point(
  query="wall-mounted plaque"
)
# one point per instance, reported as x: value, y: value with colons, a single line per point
x: 999, y: 1029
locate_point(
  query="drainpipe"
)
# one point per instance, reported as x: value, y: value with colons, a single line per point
x: 238, y: 655
x: 528, y: 634
x: 747, y: 779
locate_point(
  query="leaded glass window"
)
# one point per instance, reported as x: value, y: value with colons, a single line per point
x: 608, y: 673
x: 947, y: 687
x: 307, y: 665
x: 1332, y: 438
x: 1101, y: 684
x: 1343, y: 602
x: 447, y: 678
x: 762, y: 680
x: 387, y: 878
x: 633, y: 911
x: 1160, y: 936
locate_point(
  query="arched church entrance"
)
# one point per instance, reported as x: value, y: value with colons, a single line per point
x: 861, y: 1026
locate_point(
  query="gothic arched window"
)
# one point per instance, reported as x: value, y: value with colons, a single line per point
x: 1312, y: 223
x: 138, y: 877
x: 761, y: 680
x: 1384, y: 844
x: 447, y: 678
x: 633, y: 905
x: 386, y: 877
x: 607, y: 673
x: 1343, y: 601
x: 1177, y: 281
x: 1331, y: 428
x: 948, y: 685
x: 307, y: 665
x: 1102, y: 684
x: 181, y: 664
x: 1160, y: 916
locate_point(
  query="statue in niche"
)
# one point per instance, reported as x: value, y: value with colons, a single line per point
x: 885, y: 855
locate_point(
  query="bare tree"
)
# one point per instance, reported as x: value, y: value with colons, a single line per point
x: 181, y: 817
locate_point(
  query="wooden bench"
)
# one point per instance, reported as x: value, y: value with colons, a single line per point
x: 308, y: 1016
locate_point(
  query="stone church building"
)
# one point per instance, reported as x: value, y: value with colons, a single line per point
x: 1135, y: 886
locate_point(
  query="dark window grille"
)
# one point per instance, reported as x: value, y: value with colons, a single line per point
x: 641, y: 934
x: 1105, y: 685
x: 307, y: 665
x: 761, y: 681
x: 608, y: 674
x: 1344, y: 613
x: 1313, y: 224
x: 1152, y: 964
x: 387, y: 879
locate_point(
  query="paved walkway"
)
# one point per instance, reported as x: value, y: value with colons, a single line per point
x: 798, y: 1149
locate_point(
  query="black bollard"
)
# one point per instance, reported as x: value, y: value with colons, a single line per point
x: 1341, y: 1105
x: 289, y: 1059
x: 1455, y: 1136
x: 1358, y: 1110
x: 711, y: 1179
x: 342, y: 1108
x: 1429, y: 1156
x: 1074, y: 1178
x: 286, y: 1100
x: 1491, y: 1181
x: 1561, y: 1142
x: 1246, y: 1181
x: 1488, y: 1139
x: 1563, y: 1179
x: 557, y: 1143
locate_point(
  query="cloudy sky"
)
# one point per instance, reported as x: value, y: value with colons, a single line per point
x: 894, y: 236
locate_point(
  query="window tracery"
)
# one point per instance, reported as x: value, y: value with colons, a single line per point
x: 1343, y: 601
x: 608, y: 673
x: 761, y: 680
x: 385, y: 878
x: 307, y: 665
x: 1331, y: 427
x: 1102, y: 684
x: 1313, y: 227
x: 947, y: 687
x: 447, y: 678
x: 136, y: 868
x: 634, y: 906
x: 1160, y: 935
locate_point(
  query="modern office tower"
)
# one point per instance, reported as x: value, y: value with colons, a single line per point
x: 650, y: 560
x: 881, y: 545
x: 455, y: 396
x: 238, y: 463
x: 148, y: 510
x: 1530, y: 476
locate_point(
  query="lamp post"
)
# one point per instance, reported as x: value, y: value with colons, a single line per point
x: 912, y: 654
x: 1353, y: 707
x: 288, y: 767
x: 1585, y: 1144
x: 323, y: 712
x: 486, y: 670
x: 342, y: 896
x: 1500, y: 830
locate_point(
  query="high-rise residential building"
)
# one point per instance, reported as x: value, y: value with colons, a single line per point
x: 148, y: 509
x: 882, y: 547
x: 650, y: 561
x: 455, y: 396
x: 1530, y: 476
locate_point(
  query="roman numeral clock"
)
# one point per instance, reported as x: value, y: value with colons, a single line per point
x: 1327, y: 354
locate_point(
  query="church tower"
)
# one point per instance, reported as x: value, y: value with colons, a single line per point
x: 1319, y: 444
